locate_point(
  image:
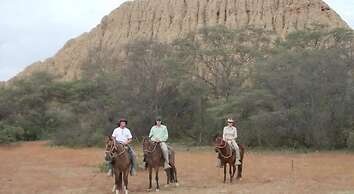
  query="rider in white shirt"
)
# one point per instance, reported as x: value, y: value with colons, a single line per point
x: 230, y: 135
x: 122, y: 135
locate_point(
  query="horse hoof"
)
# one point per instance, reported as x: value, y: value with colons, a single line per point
x: 114, y: 188
x: 177, y: 184
x: 117, y: 191
x: 157, y: 190
x: 148, y: 190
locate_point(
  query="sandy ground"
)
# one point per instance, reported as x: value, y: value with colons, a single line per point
x: 38, y: 168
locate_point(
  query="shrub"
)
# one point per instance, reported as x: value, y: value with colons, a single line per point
x: 9, y: 134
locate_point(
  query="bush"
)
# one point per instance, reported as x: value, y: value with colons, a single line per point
x: 350, y: 140
x: 9, y: 134
x: 78, y: 137
x: 290, y: 93
x: 103, y: 167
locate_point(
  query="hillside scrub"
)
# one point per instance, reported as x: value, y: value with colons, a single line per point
x: 296, y: 92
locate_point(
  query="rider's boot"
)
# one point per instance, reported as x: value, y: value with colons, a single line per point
x: 166, y: 166
x: 238, y: 157
x: 110, y: 173
x: 238, y: 162
x: 110, y: 167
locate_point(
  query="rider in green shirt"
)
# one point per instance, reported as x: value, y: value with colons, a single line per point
x: 159, y: 133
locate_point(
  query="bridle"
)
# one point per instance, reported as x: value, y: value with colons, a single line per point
x: 219, y: 147
x: 112, y: 151
x: 153, y: 149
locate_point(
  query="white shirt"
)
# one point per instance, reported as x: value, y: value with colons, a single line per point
x: 121, y: 135
x: 229, y: 133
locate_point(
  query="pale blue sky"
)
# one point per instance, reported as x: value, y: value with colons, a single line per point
x: 33, y: 30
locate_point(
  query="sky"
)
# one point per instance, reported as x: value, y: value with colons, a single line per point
x: 33, y: 30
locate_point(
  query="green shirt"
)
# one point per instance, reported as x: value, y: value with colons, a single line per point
x: 158, y: 133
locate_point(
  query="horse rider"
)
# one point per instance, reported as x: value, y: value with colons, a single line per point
x: 123, y: 136
x: 230, y: 135
x: 159, y: 134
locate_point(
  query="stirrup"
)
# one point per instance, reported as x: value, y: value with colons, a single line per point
x: 238, y: 162
x: 166, y: 166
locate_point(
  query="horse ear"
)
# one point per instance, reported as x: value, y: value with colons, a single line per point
x: 107, y: 138
x: 145, y: 139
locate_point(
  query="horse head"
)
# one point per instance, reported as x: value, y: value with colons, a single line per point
x: 110, y: 147
x: 146, y: 144
x: 219, y: 142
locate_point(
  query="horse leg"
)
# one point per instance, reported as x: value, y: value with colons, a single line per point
x: 234, y: 170
x: 239, y: 171
x: 225, y: 173
x: 175, y: 175
x: 117, y: 181
x: 239, y: 167
x: 230, y: 172
x: 157, y: 179
x: 150, y: 178
x: 168, y: 175
x: 125, y: 178
x: 120, y: 188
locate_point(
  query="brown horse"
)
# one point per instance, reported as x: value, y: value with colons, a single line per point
x: 228, y: 156
x: 118, y: 154
x: 154, y: 159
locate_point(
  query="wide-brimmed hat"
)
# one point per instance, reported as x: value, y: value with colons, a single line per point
x: 122, y: 120
x: 229, y: 120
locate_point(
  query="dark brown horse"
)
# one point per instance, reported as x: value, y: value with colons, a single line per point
x: 228, y: 156
x: 154, y: 159
x: 118, y: 154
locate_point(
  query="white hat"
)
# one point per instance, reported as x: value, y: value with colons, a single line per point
x: 229, y: 120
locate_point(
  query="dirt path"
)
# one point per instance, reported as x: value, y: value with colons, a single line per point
x: 37, y: 168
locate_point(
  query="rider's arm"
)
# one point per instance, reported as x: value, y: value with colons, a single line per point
x: 235, y: 131
x: 114, y: 134
x: 223, y: 134
x: 128, y: 141
x: 152, y: 133
x: 129, y: 137
x: 164, y: 134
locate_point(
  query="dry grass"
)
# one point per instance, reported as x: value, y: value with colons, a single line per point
x: 41, y: 169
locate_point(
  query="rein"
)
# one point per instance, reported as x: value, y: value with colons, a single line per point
x: 220, y: 147
x: 220, y: 152
x: 115, y: 147
x: 150, y: 151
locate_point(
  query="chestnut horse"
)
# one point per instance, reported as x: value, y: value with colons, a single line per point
x: 154, y: 159
x: 118, y: 154
x: 228, y: 156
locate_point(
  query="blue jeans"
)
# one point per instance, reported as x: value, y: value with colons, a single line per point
x: 132, y: 157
